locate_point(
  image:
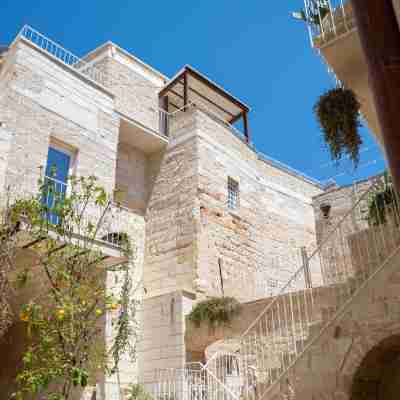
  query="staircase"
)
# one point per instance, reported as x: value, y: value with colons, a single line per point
x: 352, y: 254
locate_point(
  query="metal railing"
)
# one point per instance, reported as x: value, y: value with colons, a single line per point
x: 350, y: 254
x: 193, y: 382
x: 327, y: 19
x: 166, y: 118
x: 113, y: 224
x: 64, y: 56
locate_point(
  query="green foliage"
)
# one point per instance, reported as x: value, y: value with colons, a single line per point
x: 216, y: 311
x: 317, y: 11
x: 382, y: 202
x: 65, y: 323
x: 138, y: 392
x: 8, y: 251
x: 338, y: 114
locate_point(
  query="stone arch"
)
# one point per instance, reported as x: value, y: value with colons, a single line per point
x: 378, y: 375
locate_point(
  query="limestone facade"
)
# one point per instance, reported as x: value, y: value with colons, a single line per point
x: 190, y: 243
x: 337, y: 203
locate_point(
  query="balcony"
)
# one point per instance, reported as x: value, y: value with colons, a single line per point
x: 147, y: 134
x: 145, y: 139
x: 333, y: 33
x: 108, y: 241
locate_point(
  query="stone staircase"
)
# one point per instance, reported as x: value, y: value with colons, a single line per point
x: 270, y: 358
x: 348, y: 260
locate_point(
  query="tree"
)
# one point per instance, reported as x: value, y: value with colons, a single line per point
x: 65, y: 346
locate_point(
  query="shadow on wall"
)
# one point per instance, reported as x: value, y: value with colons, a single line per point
x: 378, y: 376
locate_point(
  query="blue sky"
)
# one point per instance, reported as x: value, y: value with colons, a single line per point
x: 253, y: 48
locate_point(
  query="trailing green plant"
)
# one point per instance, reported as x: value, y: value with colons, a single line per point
x: 215, y: 311
x: 383, y: 202
x: 65, y: 321
x: 338, y: 114
x: 138, y: 392
x: 316, y: 11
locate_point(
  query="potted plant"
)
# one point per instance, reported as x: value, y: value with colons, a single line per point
x: 215, y: 310
x: 338, y: 114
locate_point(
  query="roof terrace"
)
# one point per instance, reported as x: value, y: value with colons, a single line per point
x: 188, y: 88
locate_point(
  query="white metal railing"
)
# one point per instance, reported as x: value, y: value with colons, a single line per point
x: 327, y: 19
x: 194, y: 382
x: 226, y: 367
x: 287, y: 168
x: 113, y: 226
x: 64, y: 56
x: 350, y: 254
x: 165, y: 124
x: 205, y: 110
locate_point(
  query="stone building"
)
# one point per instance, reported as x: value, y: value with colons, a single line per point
x: 210, y: 216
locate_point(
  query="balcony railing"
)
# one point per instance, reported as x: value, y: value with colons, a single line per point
x: 166, y: 123
x: 62, y: 55
x: 193, y: 382
x: 327, y: 20
x: 114, y: 227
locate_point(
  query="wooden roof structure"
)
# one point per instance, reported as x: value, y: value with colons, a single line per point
x: 191, y: 87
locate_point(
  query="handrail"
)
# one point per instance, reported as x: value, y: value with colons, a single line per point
x: 261, y: 156
x: 63, y: 55
x: 328, y: 20
x: 347, y: 257
x: 316, y: 251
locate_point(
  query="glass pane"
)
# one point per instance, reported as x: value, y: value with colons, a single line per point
x: 55, y: 181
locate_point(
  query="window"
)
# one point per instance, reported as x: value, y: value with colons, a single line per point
x: 233, y: 194
x: 56, y: 175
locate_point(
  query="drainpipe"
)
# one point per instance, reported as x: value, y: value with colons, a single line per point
x: 380, y: 39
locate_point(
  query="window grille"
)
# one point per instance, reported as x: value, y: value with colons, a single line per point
x: 233, y: 194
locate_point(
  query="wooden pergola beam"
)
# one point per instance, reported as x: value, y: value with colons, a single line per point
x: 169, y: 86
x: 246, y: 127
x: 217, y: 89
x: 185, y: 91
x: 206, y: 99
x: 182, y: 79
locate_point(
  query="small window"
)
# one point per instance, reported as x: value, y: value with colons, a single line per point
x: 233, y: 194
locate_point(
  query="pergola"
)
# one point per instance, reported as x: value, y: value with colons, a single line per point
x: 191, y: 87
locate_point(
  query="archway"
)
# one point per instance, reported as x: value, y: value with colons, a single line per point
x: 378, y: 376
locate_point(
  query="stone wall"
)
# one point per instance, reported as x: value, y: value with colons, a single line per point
x: 43, y: 101
x: 330, y: 369
x: 336, y: 260
x: 131, y: 177
x: 170, y: 227
x: 254, y: 249
x: 191, y: 233
x: 134, y: 86
x: 162, y: 342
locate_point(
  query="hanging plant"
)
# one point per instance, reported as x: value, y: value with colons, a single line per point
x: 338, y: 114
x: 216, y: 311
